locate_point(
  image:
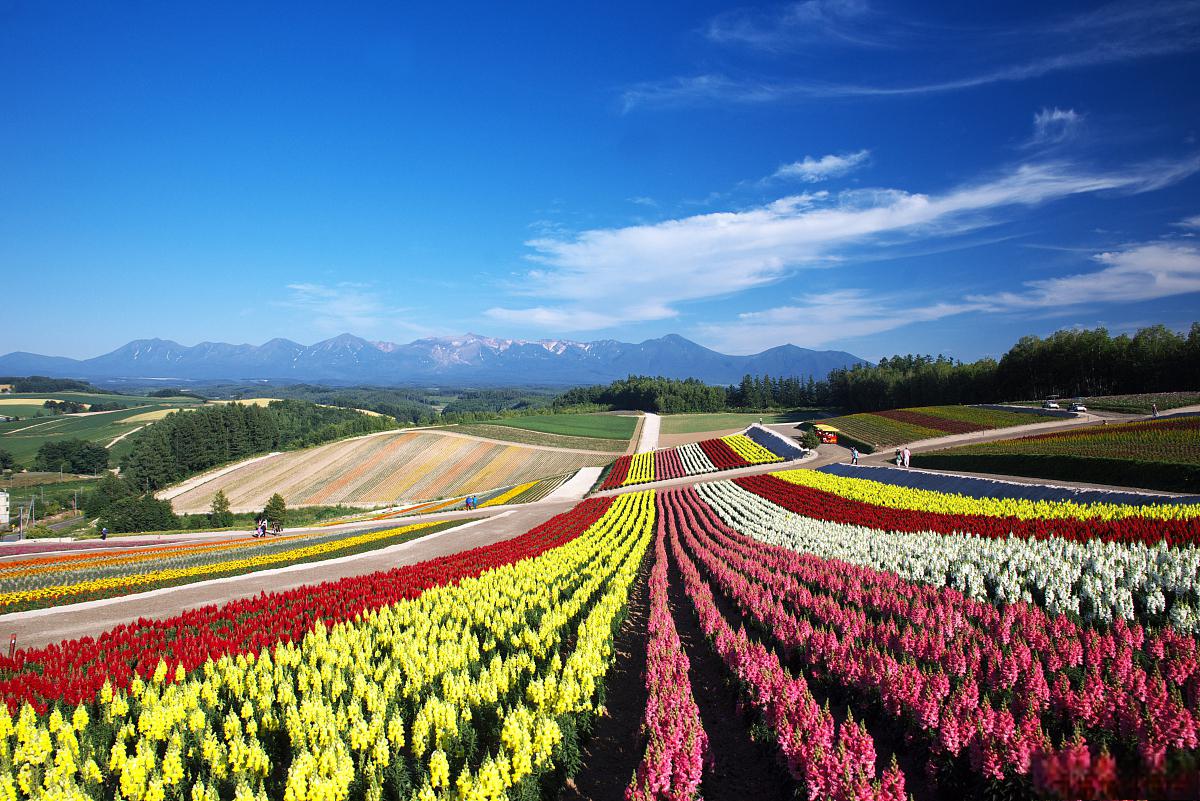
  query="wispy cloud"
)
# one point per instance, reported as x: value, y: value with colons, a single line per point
x: 796, y: 24
x: 347, y: 307
x: 599, y: 278
x: 813, y: 170
x: 642, y: 200
x: 1189, y: 222
x: 1052, y: 126
x: 1112, y: 34
x: 1137, y: 272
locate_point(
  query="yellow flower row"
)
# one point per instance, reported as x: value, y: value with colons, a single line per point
x: 402, y: 684
x: 750, y: 450
x: 641, y: 469
x: 131, y: 583
x: 859, y: 489
x: 508, y: 496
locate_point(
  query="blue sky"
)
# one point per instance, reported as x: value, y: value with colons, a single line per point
x: 877, y: 178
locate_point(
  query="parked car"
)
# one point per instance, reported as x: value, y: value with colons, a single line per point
x: 1078, y: 407
x: 1050, y: 405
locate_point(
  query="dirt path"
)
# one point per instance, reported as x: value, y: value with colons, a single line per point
x: 123, y: 436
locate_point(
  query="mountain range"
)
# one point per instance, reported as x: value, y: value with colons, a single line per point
x: 473, y: 359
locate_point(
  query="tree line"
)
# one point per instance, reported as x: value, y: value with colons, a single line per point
x: 1069, y: 363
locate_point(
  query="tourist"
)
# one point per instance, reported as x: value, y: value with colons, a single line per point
x: 1154, y: 410
x: 899, y: 458
x: 907, y: 456
x: 853, y: 455
x: 104, y: 533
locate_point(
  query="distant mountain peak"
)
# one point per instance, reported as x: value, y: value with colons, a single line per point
x: 469, y: 358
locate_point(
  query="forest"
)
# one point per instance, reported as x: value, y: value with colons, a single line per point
x: 1068, y: 363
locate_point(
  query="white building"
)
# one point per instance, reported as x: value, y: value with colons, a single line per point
x: 3, y: 509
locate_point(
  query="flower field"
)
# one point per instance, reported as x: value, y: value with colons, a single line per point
x: 1156, y: 454
x: 898, y: 426
x: 698, y: 458
x: 46, y: 581
x: 1001, y: 647
x: 383, y: 469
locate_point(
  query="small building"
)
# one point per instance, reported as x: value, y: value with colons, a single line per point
x: 3, y: 510
x: 6, y: 389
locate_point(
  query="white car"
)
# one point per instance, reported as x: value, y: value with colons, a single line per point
x: 1050, y: 405
x: 1078, y: 407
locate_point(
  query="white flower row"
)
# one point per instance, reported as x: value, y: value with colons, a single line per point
x: 1097, y: 580
x: 695, y: 462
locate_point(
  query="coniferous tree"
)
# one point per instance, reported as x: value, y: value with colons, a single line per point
x: 219, y: 515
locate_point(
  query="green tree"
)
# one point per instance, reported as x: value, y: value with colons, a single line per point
x: 7, y: 462
x: 109, y: 490
x: 219, y: 515
x: 72, y: 456
x: 275, y: 510
x: 139, y: 513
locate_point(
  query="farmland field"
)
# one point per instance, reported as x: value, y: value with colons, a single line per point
x: 22, y: 438
x: 602, y: 426
x: 382, y: 469
x: 1154, y: 454
x: 526, y: 436
x: 899, y: 426
x: 970, y: 648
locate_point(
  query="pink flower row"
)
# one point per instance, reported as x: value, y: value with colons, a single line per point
x: 832, y: 762
x: 943, y: 663
x: 674, y: 760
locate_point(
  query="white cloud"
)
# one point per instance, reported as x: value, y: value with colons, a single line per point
x: 642, y: 200
x: 813, y: 170
x: 1140, y: 272
x: 1054, y: 125
x: 605, y: 277
x: 1189, y: 222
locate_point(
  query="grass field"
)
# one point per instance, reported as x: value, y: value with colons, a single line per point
x: 526, y: 436
x: 1154, y: 454
x: 900, y: 426
x: 384, y: 468
x: 601, y: 426
x: 698, y: 423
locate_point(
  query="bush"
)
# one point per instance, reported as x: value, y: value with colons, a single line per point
x: 140, y: 513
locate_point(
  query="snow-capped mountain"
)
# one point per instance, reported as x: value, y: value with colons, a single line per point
x: 470, y: 358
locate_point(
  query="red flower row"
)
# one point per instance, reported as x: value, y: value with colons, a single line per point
x: 721, y: 455
x: 667, y: 464
x: 618, y: 473
x: 74, y: 671
x: 826, y: 506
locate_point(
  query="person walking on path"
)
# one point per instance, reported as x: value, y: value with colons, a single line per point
x: 853, y: 455
x: 1154, y: 410
x: 104, y: 533
x: 907, y: 455
x: 899, y: 458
